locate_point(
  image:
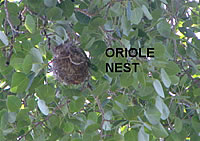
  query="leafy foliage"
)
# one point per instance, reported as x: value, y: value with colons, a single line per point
x: 159, y: 101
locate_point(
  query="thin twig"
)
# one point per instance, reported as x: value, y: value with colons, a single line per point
x: 42, y: 122
x: 8, y: 19
x: 102, y: 114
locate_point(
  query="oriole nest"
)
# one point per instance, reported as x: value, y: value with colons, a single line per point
x: 70, y: 64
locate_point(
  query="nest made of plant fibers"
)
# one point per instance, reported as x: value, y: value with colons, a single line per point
x: 70, y: 64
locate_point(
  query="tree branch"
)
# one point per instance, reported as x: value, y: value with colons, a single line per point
x: 102, y: 114
x: 8, y: 19
x: 42, y: 122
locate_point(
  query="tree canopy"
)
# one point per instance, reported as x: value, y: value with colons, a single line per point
x: 127, y: 97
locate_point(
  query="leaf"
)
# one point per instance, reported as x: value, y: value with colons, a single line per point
x: 43, y: 107
x: 68, y: 127
x: 82, y: 18
x: 196, y: 123
x: 19, y: 82
x: 153, y: 115
x: 165, y: 78
x: 162, y: 107
x: 92, y: 128
x: 172, y: 68
x: 36, y: 56
x: 174, y: 79
x: 96, y: 22
x: 136, y: 15
x: 61, y: 31
x: 131, y: 112
x: 30, y: 24
x: 142, y: 135
x: 12, y: 117
x: 4, y: 38
x: 76, y: 105
x: 164, y: 28
x: 67, y: 7
x: 27, y: 64
x: 50, y: 3
x: 46, y: 93
x: 106, y: 126
x: 54, y: 13
x: 93, y: 116
x: 13, y: 103
x: 126, y: 79
x: 159, y: 131
x: 146, y: 12
x: 158, y: 88
x: 159, y: 50
x: 3, y: 119
x: 31, y: 103
x: 125, y: 25
x: 131, y: 135
x: 178, y: 124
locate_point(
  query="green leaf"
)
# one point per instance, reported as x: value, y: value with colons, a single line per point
x: 142, y: 135
x: 196, y: 92
x: 131, y: 135
x: 126, y: 79
x: 178, y: 124
x: 31, y: 103
x: 50, y: 3
x: 196, y: 123
x: 19, y: 82
x: 158, y: 88
x: 132, y: 112
x: 172, y: 68
x: 13, y: 103
x: 125, y: 25
x: 96, y: 22
x: 159, y: 50
x: 27, y: 64
x: 82, y: 18
x: 3, y: 119
x: 92, y: 128
x: 36, y: 55
x: 162, y: 107
x: 146, y: 12
x: 153, y: 115
x: 101, y: 88
x: 46, y: 93
x: 98, y: 48
x: 159, y: 131
x: 165, y: 78
x: 76, y: 105
x: 68, y: 8
x: 54, y: 13
x: 30, y: 24
x: 3, y: 38
x: 174, y: 79
x: 43, y: 107
x: 68, y: 127
x: 12, y: 117
x: 93, y: 116
x: 164, y: 28
x: 106, y: 126
x: 136, y: 15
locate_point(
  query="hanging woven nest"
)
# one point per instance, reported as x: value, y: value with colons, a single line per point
x: 70, y: 64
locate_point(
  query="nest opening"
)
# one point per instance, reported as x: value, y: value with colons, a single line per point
x: 70, y: 64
